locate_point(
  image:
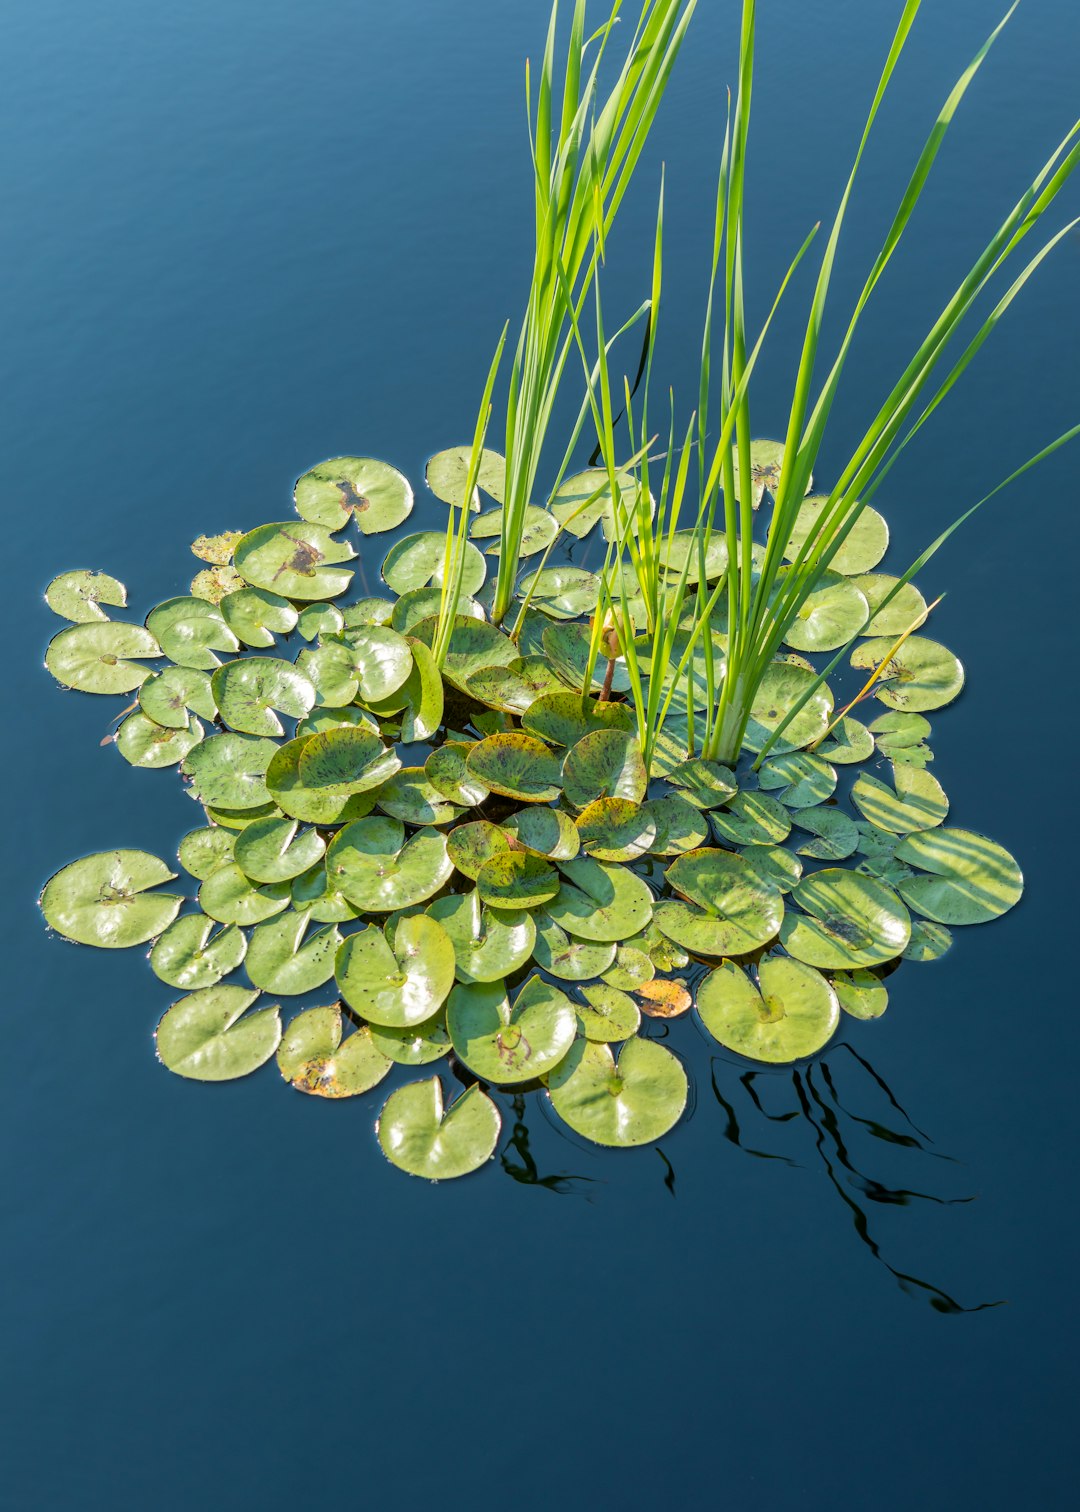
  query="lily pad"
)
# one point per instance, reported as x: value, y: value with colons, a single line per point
x: 423, y: 603
x: 848, y: 920
x: 849, y: 742
x: 515, y: 687
x: 145, y: 743
x: 608, y: 1014
x: 370, y: 863
x: 616, y: 829
x: 600, y: 902
x: 916, y: 801
x: 664, y: 999
x: 774, y: 864
x: 248, y: 692
x: 410, y: 797
x: 383, y: 661
x: 517, y: 879
x: 419, y: 561
x: 782, y: 686
x: 446, y: 771
x: 210, y: 1036
x: 167, y: 697
x: 102, y: 657
x: 751, y: 819
x: 792, y: 1012
x: 538, y: 533
x: 204, y: 850
x: 469, y: 846
x: 506, y: 1043
x: 829, y: 617
x: 78, y: 596
x: 191, y: 955
x: 322, y: 805
x: 105, y: 899
x: 229, y: 896
x: 570, y: 959
x: 190, y: 630
x: 517, y: 766
x: 295, y: 559
x: 921, y: 675
x: 766, y: 460
x: 315, y: 894
x: 489, y: 943
x: 372, y: 493
x: 680, y: 826
x: 473, y: 644
x: 633, y: 1101
x: 799, y: 779
x: 229, y: 771
x: 563, y: 718
x: 604, y: 764
x: 835, y: 834
x: 970, y: 879
x: 908, y: 608
x: 745, y: 910
x: 215, y: 583
x: 860, y: 993
x: 216, y: 549
x: 419, y: 1136
x: 399, y: 977
x: 632, y: 967
x: 270, y: 850
x: 705, y: 784
x: 863, y: 548
x: 255, y: 616
x: 564, y: 592
x: 929, y: 941
x: 447, y: 473
x: 585, y: 498
x: 423, y: 694
x: 567, y: 644
x: 314, y: 1058
x: 280, y: 960
x: 427, y: 1042
x: 319, y: 619
x: 331, y: 669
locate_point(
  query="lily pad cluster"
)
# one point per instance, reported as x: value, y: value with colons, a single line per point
x: 470, y: 862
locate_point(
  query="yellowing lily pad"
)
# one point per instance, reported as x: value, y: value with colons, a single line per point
x: 295, y: 559
x: 516, y: 765
x: 314, y: 1058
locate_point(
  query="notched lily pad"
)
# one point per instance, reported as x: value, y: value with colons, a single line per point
x: 447, y: 473
x: 921, y: 675
x: 517, y: 879
x: 916, y: 801
x: 604, y: 764
x: 190, y: 631
x: 517, y: 766
x: 313, y: 1057
x: 372, y: 493
x: 105, y: 899
x: 281, y: 960
x: 229, y: 771
x: 210, y: 1036
x: 506, y: 1043
x: 418, y: 1135
x: 399, y: 977
x: 190, y: 954
x: 249, y: 691
x: 144, y: 743
x: 969, y: 880
x: 628, y: 1102
x: 78, y: 596
x: 616, y: 829
x: 608, y: 1014
x: 600, y: 902
x: 420, y: 561
x: 791, y: 1012
x: 370, y: 863
x: 848, y: 920
x: 295, y: 559
x: 101, y: 657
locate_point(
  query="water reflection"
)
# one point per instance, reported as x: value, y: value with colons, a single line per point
x: 520, y: 1165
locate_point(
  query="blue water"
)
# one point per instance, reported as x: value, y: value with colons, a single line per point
x: 242, y: 237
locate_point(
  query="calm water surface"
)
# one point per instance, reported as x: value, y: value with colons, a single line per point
x: 242, y: 237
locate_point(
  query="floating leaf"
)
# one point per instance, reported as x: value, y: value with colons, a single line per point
x: 295, y: 559
x: 515, y: 687
x: 447, y: 473
x: 774, y: 864
x: 664, y: 999
x: 101, y: 657
x: 326, y: 805
x: 664, y: 953
x: 705, y: 784
x: 799, y: 779
x: 313, y: 1058
x: 742, y: 911
x: 616, y: 829
x: 918, y: 802
x: 751, y: 819
x: 189, y: 631
x: 255, y: 616
x: 209, y: 1035
x: 849, y: 742
x: 899, y: 731
x: 427, y: 1042
x: 782, y: 686
x: 104, y: 899
x: 908, y: 608
x: 563, y: 718
x: 216, y: 549
x: 972, y: 879
x: 190, y: 954
x: 489, y: 943
x: 610, y: 1015
x: 314, y: 893
x: 507, y: 1044
x: 792, y: 1014
x: 215, y: 583
x: 922, y: 674
x: 78, y: 596
x: 419, y: 561
x: 423, y: 692
x: 446, y: 771
x: 419, y: 1137
x: 847, y: 920
x: 629, y: 1102
x: 372, y: 493
x: 469, y: 846
x: 829, y: 616
x: 571, y: 960
x: 145, y: 743
x: 860, y: 993
x: 270, y: 850
x: 568, y: 647
x: 539, y: 530
x: 319, y: 619
x: 516, y: 765
x: 400, y: 977
x: 228, y: 896
x: 248, y: 692
x: 674, y: 551
x: 422, y: 603
x: 229, y: 771
x: 604, y: 764
x: 564, y: 592
x: 632, y: 968
x: 374, y: 869
x: 204, y: 850
x: 331, y: 669
x: 168, y: 695
x: 600, y: 902
x: 835, y: 834
x: 680, y: 826
x: 473, y: 644
x: 585, y: 498
x: 410, y: 797
x: 864, y: 546
x: 517, y: 879
x: 766, y: 460
x: 280, y: 960
x: 928, y: 942
x: 238, y: 819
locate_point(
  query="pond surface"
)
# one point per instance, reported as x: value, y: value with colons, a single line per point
x: 242, y: 237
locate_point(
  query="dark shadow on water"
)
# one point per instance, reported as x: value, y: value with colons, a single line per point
x: 524, y: 1169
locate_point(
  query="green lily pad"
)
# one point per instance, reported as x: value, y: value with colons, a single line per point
x: 319, y: 619
x: 447, y: 473
x: 145, y: 743
x: 662, y: 952
x: 78, y: 596
x: 571, y: 960
x: 371, y: 610
x: 419, y: 1136
x: 829, y: 617
x: 473, y: 644
x: 489, y: 943
x: 899, y: 731
x: 675, y: 551
x: 331, y: 669
x: 906, y: 609
x: 680, y: 826
x: 604, y: 764
x: 507, y: 1044
x: 423, y: 693
x: 780, y: 689
x: 515, y: 687
x: 921, y: 675
x: 447, y: 773
x: 799, y: 779
x: 751, y: 819
x: 399, y: 977
x: 864, y: 546
x: 210, y: 1036
x: 600, y: 902
x: 563, y: 718
x: 848, y: 920
x: 313, y: 1058
x: 349, y: 759
x: 567, y: 645
x: 539, y: 530
x: 585, y: 499
x: 191, y: 955
x: 321, y: 720
x: 835, y: 834
x: 745, y: 910
x: 270, y: 850
x: 229, y: 771
x: 860, y: 993
x: 189, y: 631
x: 256, y: 617
x: 279, y: 959
x: 766, y: 460
x: 608, y: 1014
x: 423, y: 603
x: 372, y: 493
x: 792, y: 1013
x: 248, y: 692
x: 705, y: 784
x: 850, y: 742
x: 104, y: 899
x: 228, y: 896
x: 616, y: 829
x: 204, y: 850
x: 167, y: 696
x: 929, y: 941
x: 419, y: 561
x: 314, y: 893
x: 774, y: 864
x: 517, y: 766
x: 631, y: 969
x: 383, y: 661
x: 563, y: 592
x: 469, y: 846
x: 427, y: 1042
x: 295, y: 559
x: 238, y: 819
x: 410, y: 797
x: 970, y: 879
x: 376, y: 871
x: 517, y: 879
x: 102, y: 657
x: 319, y: 805
x: 916, y: 801
x: 630, y: 1102
x: 545, y: 831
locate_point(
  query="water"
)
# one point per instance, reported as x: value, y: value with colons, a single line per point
x: 244, y: 237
